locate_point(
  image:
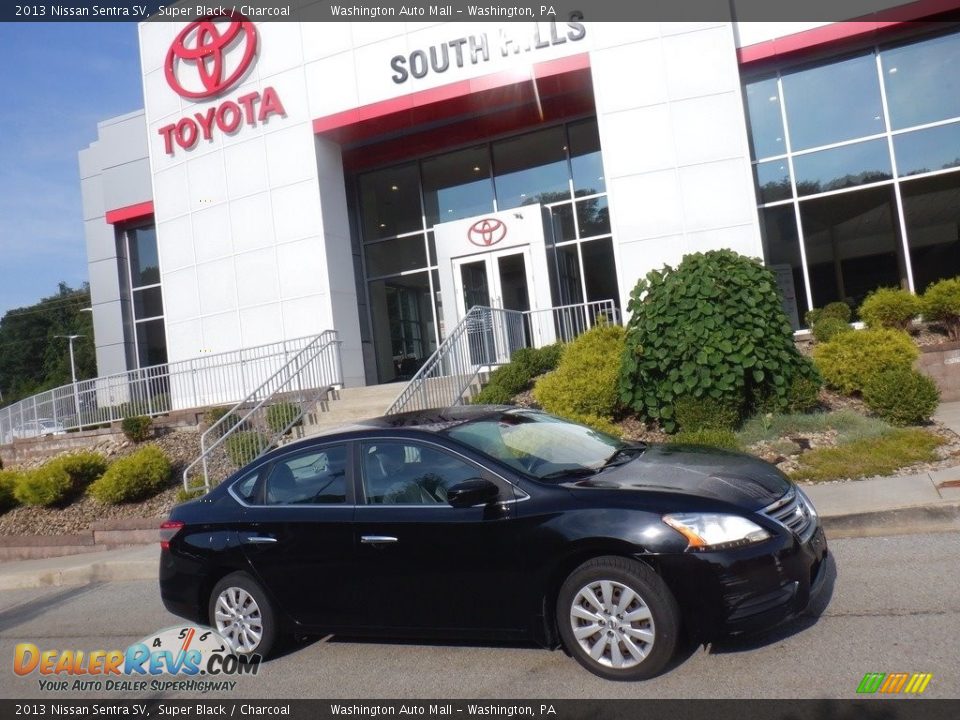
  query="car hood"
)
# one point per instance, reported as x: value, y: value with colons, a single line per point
x: 731, y: 477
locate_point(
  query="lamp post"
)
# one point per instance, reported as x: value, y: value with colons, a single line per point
x: 73, y: 377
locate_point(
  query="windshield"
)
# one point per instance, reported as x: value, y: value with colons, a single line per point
x: 538, y: 444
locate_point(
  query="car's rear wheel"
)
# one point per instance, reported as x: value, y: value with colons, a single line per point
x: 241, y: 612
x: 618, y: 618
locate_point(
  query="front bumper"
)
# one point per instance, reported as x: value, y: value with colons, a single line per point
x: 749, y: 589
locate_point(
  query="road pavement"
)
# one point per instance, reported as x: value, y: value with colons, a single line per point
x: 893, y: 608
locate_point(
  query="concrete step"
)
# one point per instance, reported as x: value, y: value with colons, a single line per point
x: 102, y: 535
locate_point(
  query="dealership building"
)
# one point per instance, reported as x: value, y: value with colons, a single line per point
x: 380, y: 178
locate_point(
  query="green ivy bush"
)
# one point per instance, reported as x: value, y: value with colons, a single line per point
x: 244, y: 446
x: 134, y: 477
x: 826, y: 329
x: 709, y: 437
x: 136, y: 428
x: 584, y: 385
x: 281, y: 415
x: 892, y: 308
x: 941, y: 303
x: 713, y: 327
x: 515, y: 377
x: 49, y: 484
x: 693, y: 414
x: 8, y: 481
x: 850, y: 360
x: 837, y: 310
x: 902, y: 396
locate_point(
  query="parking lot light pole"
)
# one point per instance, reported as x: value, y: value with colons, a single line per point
x: 73, y: 377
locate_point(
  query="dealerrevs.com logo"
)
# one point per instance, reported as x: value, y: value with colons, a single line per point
x: 211, y: 55
x: 198, y: 658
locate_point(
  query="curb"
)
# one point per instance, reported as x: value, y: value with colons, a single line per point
x: 101, y: 571
x: 939, y: 517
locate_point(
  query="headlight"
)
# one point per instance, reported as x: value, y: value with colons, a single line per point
x: 711, y: 531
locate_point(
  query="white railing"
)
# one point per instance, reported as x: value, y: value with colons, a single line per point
x: 487, y: 338
x: 266, y: 417
x: 223, y: 378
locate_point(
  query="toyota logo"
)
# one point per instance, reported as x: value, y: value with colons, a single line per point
x: 198, y: 53
x: 487, y: 232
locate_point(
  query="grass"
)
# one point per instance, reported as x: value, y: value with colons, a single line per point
x: 868, y: 456
x: 849, y: 425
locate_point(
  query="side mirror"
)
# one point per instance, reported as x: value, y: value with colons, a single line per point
x: 475, y: 491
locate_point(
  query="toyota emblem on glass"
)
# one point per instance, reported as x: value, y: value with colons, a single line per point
x: 487, y: 232
x: 203, y: 46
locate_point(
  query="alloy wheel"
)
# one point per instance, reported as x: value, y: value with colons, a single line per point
x: 612, y: 624
x: 238, y: 619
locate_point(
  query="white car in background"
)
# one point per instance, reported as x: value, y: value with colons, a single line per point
x: 34, y: 428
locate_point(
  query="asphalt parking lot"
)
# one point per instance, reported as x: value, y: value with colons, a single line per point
x: 893, y: 609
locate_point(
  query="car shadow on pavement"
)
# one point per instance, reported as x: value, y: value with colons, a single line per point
x: 807, y: 619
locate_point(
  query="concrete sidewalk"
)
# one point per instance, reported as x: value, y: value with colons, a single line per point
x: 857, y: 508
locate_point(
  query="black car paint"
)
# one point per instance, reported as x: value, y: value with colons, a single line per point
x: 493, y: 572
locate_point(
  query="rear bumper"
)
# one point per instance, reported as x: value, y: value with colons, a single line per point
x: 181, y: 584
x: 752, y: 589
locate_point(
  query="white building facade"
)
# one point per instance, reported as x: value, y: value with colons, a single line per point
x: 380, y: 178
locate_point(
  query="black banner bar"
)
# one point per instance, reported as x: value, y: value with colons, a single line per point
x: 468, y: 11
x: 203, y: 708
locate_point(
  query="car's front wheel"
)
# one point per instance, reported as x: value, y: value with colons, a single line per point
x: 241, y: 612
x: 618, y: 618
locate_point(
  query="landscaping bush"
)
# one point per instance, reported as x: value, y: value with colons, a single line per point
x: 902, y: 396
x: 8, y: 481
x: 693, y: 414
x: 244, y: 446
x: 281, y: 415
x: 134, y: 477
x: 713, y: 327
x: 513, y: 378
x: 850, y: 360
x: 709, y: 437
x: 837, y: 310
x: 213, y: 415
x: 941, y: 302
x: 892, y: 308
x: 82, y: 467
x: 136, y: 428
x: 825, y: 329
x: 49, y: 484
x: 584, y: 385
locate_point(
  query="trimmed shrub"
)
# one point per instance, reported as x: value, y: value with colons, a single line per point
x: 709, y: 437
x: 47, y: 485
x: 8, y: 481
x: 826, y: 329
x: 837, y: 310
x: 244, y: 446
x: 134, y: 477
x: 183, y: 495
x: 892, y: 308
x: 902, y: 396
x: 804, y: 395
x: 713, y: 327
x: 281, y: 415
x: 82, y: 467
x: 136, y: 428
x: 584, y: 385
x: 850, y: 360
x: 941, y: 302
x: 693, y: 414
x: 213, y: 415
x: 515, y: 377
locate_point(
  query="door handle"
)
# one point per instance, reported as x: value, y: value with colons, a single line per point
x: 376, y: 539
x: 259, y: 539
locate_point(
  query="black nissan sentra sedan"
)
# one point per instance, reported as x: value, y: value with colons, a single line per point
x: 495, y: 523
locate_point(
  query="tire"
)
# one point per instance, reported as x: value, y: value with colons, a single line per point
x: 619, y: 647
x: 239, y: 610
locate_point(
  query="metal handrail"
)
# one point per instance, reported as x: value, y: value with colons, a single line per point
x: 321, y: 378
x: 449, y: 372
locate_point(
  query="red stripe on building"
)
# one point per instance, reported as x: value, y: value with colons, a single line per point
x: 825, y: 35
x: 130, y: 212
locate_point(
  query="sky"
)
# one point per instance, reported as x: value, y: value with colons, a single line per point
x: 59, y: 80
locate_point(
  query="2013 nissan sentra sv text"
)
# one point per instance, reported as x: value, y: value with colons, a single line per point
x: 495, y: 523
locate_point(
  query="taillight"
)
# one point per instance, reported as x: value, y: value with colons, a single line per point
x: 167, y: 531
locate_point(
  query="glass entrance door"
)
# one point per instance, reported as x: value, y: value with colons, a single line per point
x: 500, y: 279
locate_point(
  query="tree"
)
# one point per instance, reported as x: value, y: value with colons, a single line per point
x: 32, y: 358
